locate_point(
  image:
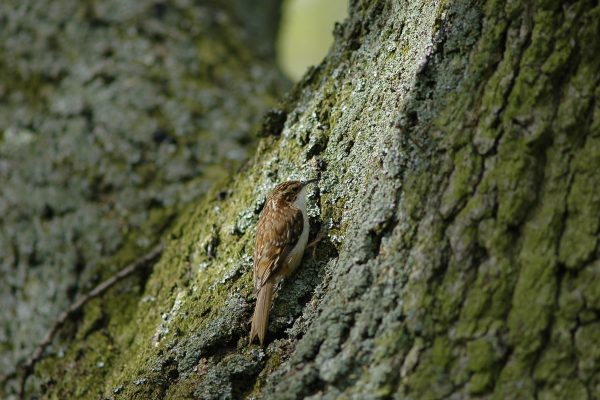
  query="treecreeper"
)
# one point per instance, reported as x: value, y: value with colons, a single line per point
x: 281, y: 238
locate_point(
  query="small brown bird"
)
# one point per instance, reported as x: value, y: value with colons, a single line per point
x: 281, y: 238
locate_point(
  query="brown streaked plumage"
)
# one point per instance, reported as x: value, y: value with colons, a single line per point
x: 281, y: 237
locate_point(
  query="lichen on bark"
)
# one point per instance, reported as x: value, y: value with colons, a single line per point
x: 456, y: 143
x: 115, y: 115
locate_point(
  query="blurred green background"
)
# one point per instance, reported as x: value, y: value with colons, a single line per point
x: 306, y: 33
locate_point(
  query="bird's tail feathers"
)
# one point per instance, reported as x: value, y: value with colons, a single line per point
x: 260, y: 319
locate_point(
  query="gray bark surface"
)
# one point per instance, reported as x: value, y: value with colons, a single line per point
x: 458, y: 144
x: 113, y: 116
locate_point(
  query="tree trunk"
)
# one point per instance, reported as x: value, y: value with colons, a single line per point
x: 113, y: 116
x: 458, y: 144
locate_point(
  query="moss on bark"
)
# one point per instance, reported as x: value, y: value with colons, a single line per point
x: 115, y: 115
x: 456, y: 142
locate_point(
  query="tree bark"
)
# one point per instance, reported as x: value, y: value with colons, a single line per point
x: 458, y: 144
x: 113, y: 116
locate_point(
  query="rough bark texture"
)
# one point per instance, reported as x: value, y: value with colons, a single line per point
x: 113, y: 115
x: 459, y: 146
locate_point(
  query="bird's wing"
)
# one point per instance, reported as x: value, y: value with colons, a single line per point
x: 277, y: 233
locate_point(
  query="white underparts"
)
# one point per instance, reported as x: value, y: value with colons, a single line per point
x: 295, y: 255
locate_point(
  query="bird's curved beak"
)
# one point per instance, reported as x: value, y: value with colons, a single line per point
x: 304, y: 183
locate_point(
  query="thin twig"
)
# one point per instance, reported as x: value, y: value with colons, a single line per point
x: 27, y: 367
